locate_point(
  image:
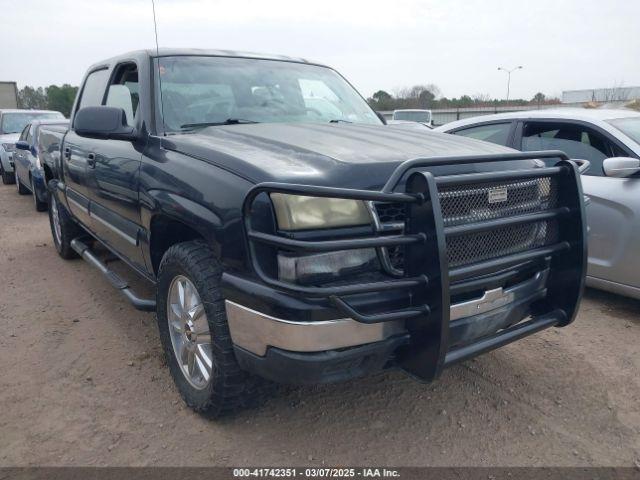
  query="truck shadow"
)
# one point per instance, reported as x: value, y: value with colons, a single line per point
x: 535, y: 372
x: 515, y: 382
x: 515, y: 398
x: 533, y: 394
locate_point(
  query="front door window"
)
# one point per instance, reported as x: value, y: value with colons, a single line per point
x: 577, y: 141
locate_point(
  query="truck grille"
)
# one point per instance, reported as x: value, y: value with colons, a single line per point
x: 462, y: 204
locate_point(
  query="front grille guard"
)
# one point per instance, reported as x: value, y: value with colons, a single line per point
x: 427, y: 275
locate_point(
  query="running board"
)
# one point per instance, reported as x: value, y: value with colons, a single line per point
x: 120, y: 284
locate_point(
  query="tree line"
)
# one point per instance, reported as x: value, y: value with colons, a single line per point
x: 60, y: 98
x: 429, y: 97
x: 54, y: 97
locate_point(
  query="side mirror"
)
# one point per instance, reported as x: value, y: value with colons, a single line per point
x: 103, y: 122
x: 621, y: 167
x: 22, y: 145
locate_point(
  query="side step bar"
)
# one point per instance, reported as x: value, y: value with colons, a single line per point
x: 85, y: 252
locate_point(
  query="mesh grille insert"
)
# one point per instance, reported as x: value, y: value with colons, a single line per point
x: 499, y: 242
x: 462, y: 204
x: 473, y: 203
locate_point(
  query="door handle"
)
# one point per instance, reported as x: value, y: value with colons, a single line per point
x: 67, y: 152
x: 91, y: 160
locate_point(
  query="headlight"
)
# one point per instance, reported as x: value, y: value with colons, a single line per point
x: 298, y: 212
x: 324, y: 267
x: 9, y: 147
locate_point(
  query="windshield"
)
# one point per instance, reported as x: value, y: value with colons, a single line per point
x: 413, y: 116
x: 203, y: 90
x: 14, y: 122
x: 629, y: 126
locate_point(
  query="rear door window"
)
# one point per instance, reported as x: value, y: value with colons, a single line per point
x: 492, y: 132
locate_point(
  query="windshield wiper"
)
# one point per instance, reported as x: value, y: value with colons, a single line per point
x: 339, y: 120
x: 228, y: 121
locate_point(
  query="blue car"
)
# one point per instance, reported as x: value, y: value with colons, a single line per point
x: 30, y: 169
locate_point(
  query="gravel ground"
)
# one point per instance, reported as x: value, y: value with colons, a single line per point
x: 83, y: 382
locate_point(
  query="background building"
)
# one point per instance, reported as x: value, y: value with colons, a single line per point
x: 614, y: 94
x: 8, y: 95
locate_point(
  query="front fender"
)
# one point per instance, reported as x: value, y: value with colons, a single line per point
x: 223, y: 236
x: 183, y: 210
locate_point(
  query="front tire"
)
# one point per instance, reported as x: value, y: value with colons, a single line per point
x: 40, y: 206
x: 63, y: 228
x: 195, y: 335
x: 22, y: 190
x: 8, y: 177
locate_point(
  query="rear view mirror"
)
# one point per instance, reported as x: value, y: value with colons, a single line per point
x: 22, y: 145
x: 103, y: 122
x: 621, y: 167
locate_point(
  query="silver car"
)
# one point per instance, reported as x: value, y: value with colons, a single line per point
x: 610, y: 141
x: 12, y: 122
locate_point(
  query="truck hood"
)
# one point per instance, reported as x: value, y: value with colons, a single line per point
x: 341, y: 155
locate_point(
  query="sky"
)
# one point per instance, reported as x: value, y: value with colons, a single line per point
x: 457, y: 45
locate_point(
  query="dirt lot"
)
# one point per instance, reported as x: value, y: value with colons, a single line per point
x: 82, y: 382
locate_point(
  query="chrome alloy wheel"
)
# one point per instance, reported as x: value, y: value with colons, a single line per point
x: 55, y: 215
x: 189, y: 331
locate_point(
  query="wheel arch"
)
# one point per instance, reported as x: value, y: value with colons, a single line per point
x: 48, y: 173
x: 176, y: 219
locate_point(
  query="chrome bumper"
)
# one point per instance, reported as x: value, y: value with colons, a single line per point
x: 255, y: 331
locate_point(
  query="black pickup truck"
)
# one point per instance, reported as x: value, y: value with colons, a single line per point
x: 292, y: 236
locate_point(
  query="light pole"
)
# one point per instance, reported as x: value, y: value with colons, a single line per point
x: 509, y: 76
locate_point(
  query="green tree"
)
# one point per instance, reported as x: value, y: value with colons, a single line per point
x: 61, y: 98
x: 539, y: 98
x: 32, y: 98
x: 426, y: 98
x: 418, y: 96
x: 381, y: 96
x: 381, y: 100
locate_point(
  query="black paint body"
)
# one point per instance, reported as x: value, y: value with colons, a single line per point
x: 133, y: 194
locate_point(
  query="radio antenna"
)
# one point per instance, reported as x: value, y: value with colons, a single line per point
x: 155, y: 28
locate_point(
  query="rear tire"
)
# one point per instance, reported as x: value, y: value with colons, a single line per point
x: 63, y: 228
x: 22, y: 190
x: 228, y: 388
x: 40, y: 206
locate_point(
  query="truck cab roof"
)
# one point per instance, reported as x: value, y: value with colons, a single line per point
x: 148, y: 53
